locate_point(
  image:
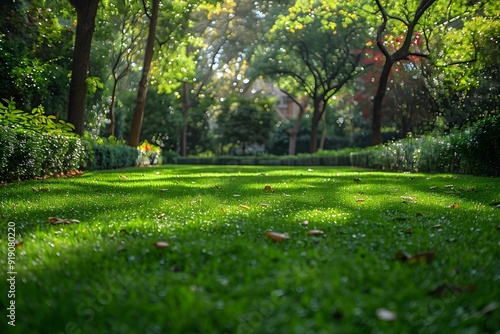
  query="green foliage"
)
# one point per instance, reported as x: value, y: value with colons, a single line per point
x: 475, y: 150
x: 35, y: 121
x: 26, y: 154
x: 111, y: 154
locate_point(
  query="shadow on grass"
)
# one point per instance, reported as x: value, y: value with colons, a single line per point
x: 220, y: 274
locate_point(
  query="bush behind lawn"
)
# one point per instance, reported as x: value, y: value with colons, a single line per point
x: 26, y: 154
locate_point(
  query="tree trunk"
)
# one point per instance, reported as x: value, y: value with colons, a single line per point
x: 112, y: 119
x: 323, y: 132
x: 377, y: 102
x: 135, y: 132
x: 185, y: 113
x: 86, y: 12
x: 313, y: 145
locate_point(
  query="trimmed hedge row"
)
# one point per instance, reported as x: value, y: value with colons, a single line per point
x: 310, y: 160
x: 473, y: 151
x: 26, y: 154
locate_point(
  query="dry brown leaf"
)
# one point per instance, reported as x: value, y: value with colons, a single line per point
x: 123, y: 177
x: 161, y: 244
x: 246, y: 207
x: 386, y: 315
x: 315, y: 232
x: 360, y: 200
x: 267, y: 187
x: 424, y: 257
x: 409, y: 199
x: 57, y: 221
x: 276, y: 237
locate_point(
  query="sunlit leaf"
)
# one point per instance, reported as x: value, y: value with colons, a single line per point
x: 57, y: 221
x: 123, y: 177
x: 276, y: 237
x: 409, y: 199
x: 315, y: 232
x: 386, y: 315
x: 161, y: 244
x: 246, y: 207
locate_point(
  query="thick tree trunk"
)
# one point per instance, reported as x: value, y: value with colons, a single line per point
x: 86, y: 12
x: 377, y: 102
x: 135, y: 132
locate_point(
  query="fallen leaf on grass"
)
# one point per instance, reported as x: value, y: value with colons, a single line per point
x: 409, y: 199
x: 161, y: 244
x: 445, y: 289
x: 424, y: 257
x: 277, y: 237
x: 360, y: 200
x: 386, y: 315
x: 123, y: 177
x: 57, y: 221
x: 315, y: 232
x: 246, y: 207
x: 454, y: 206
x: 19, y: 244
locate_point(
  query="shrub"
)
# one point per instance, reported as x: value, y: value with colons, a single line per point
x: 25, y: 154
x: 111, y: 154
x: 481, y: 148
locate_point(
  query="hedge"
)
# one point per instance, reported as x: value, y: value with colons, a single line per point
x: 27, y: 154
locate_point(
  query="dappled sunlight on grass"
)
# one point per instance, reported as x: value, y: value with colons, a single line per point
x: 220, y: 273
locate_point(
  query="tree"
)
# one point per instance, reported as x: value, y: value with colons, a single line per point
x: 317, y: 46
x: 245, y: 122
x: 86, y: 11
x: 135, y: 132
x: 402, y: 28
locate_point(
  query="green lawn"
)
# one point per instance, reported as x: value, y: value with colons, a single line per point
x: 221, y: 274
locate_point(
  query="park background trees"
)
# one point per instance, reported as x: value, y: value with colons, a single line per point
x: 443, y: 71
